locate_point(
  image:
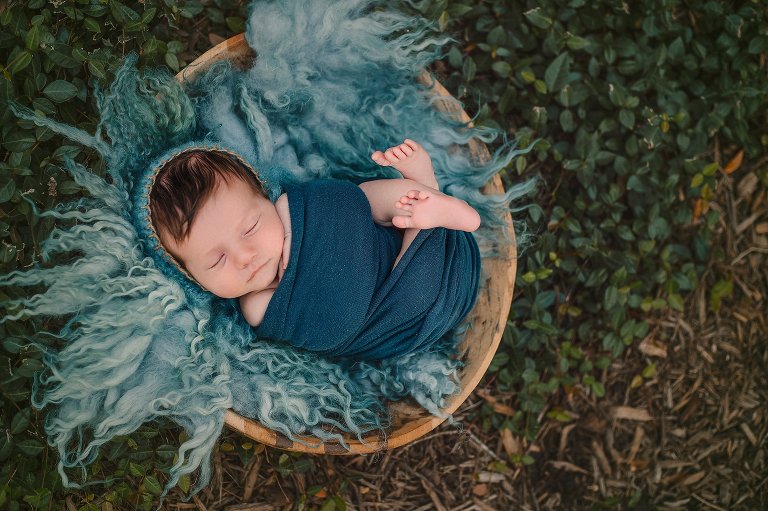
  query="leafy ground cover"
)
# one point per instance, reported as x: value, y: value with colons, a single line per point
x: 630, y: 372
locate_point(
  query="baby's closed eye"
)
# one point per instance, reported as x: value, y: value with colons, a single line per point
x: 219, y: 260
x: 251, y: 230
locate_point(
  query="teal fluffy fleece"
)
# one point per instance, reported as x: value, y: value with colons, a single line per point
x: 332, y: 82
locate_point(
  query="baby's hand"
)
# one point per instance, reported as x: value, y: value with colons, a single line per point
x: 281, y: 205
x: 286, y: 255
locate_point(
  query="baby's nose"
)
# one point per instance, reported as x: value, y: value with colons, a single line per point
x: 246, y: 259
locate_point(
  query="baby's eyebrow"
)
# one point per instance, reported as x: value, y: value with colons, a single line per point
x: 213, y: 250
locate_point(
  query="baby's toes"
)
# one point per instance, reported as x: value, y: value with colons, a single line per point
x: 413, y: 145
x: 390, y: 155
x: 414, y: 194
x: 423, y: 194
x: 406, y: 149
x: 403, y: 222
x: 379, y: 158
x: 404, y: 207
x: 399, y: 153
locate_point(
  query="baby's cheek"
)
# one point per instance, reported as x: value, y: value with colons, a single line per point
x: 221, y: 287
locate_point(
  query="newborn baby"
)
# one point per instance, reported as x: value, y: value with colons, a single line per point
x: 212, y: 215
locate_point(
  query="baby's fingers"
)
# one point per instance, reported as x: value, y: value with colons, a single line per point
x: 286, y: 251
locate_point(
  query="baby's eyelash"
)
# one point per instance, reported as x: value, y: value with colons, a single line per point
x: 217, y: 262
x: 251, y: 229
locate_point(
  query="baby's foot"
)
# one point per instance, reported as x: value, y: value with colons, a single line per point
x: 411, y: 160
x: 424, y: 209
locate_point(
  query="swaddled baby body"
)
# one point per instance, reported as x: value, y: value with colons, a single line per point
x: 213, y: 217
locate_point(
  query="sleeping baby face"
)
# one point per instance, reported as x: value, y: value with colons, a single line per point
x: 235, y: 241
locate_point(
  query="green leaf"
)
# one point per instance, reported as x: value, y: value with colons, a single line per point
x: 627, y: 118
x: 19, y: 141
x: 557, y: 72
x: 92, y: 25
x: 566, y: 121
x: 191, y: 9
x: 676, y: 49
x: 172, y: 61
x: 6, y: 191
x: 61, y: 55
x: 711, y: 169
x: 576, y: 42
x: 40, y: 498
x: 236, y: 24
x: 148, y: 15
x: 152, y: 485
x: 29, y: 367
x: 33, y: 37
x: 20, y: 62
x: 723, y: 289
x: 6, y: 446
x: 676, y: 302
x: 658, y: 228
x: 328, y: 505
x: 469, y: 69
x: 122, y: 13
x: 60, y: 91
x: 20, y: 421
x: 176, y: 46
x: 136, y: 469
x: 79, y: 54
x: 30, y: 446
x: 758, y: 44
x: 443, y: 20
x: 97, y: 69
x: 12, y: 344
x: 153, y: 46
x: 610, y: 297
x: 497, y: 36
x: 503, y: 69
x: 528, y: 76
x: 185, y: 482
x: 66, y: 151
x: 538, y: 19
x: 697, y: 180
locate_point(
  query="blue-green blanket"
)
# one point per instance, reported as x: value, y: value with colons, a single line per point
x: 339, y: 295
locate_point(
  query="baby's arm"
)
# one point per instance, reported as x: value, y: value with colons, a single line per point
x: 254, y: 305
x: 281, y: 205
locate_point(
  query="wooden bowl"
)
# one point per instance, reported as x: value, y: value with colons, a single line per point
x: 489, y: 317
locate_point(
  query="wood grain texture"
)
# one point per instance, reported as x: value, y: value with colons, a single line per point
x: 487, y: 320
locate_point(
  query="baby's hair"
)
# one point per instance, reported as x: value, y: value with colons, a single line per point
x: 184, y: 184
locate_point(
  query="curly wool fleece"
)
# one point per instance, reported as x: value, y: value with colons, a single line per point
x: 333, y: 81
